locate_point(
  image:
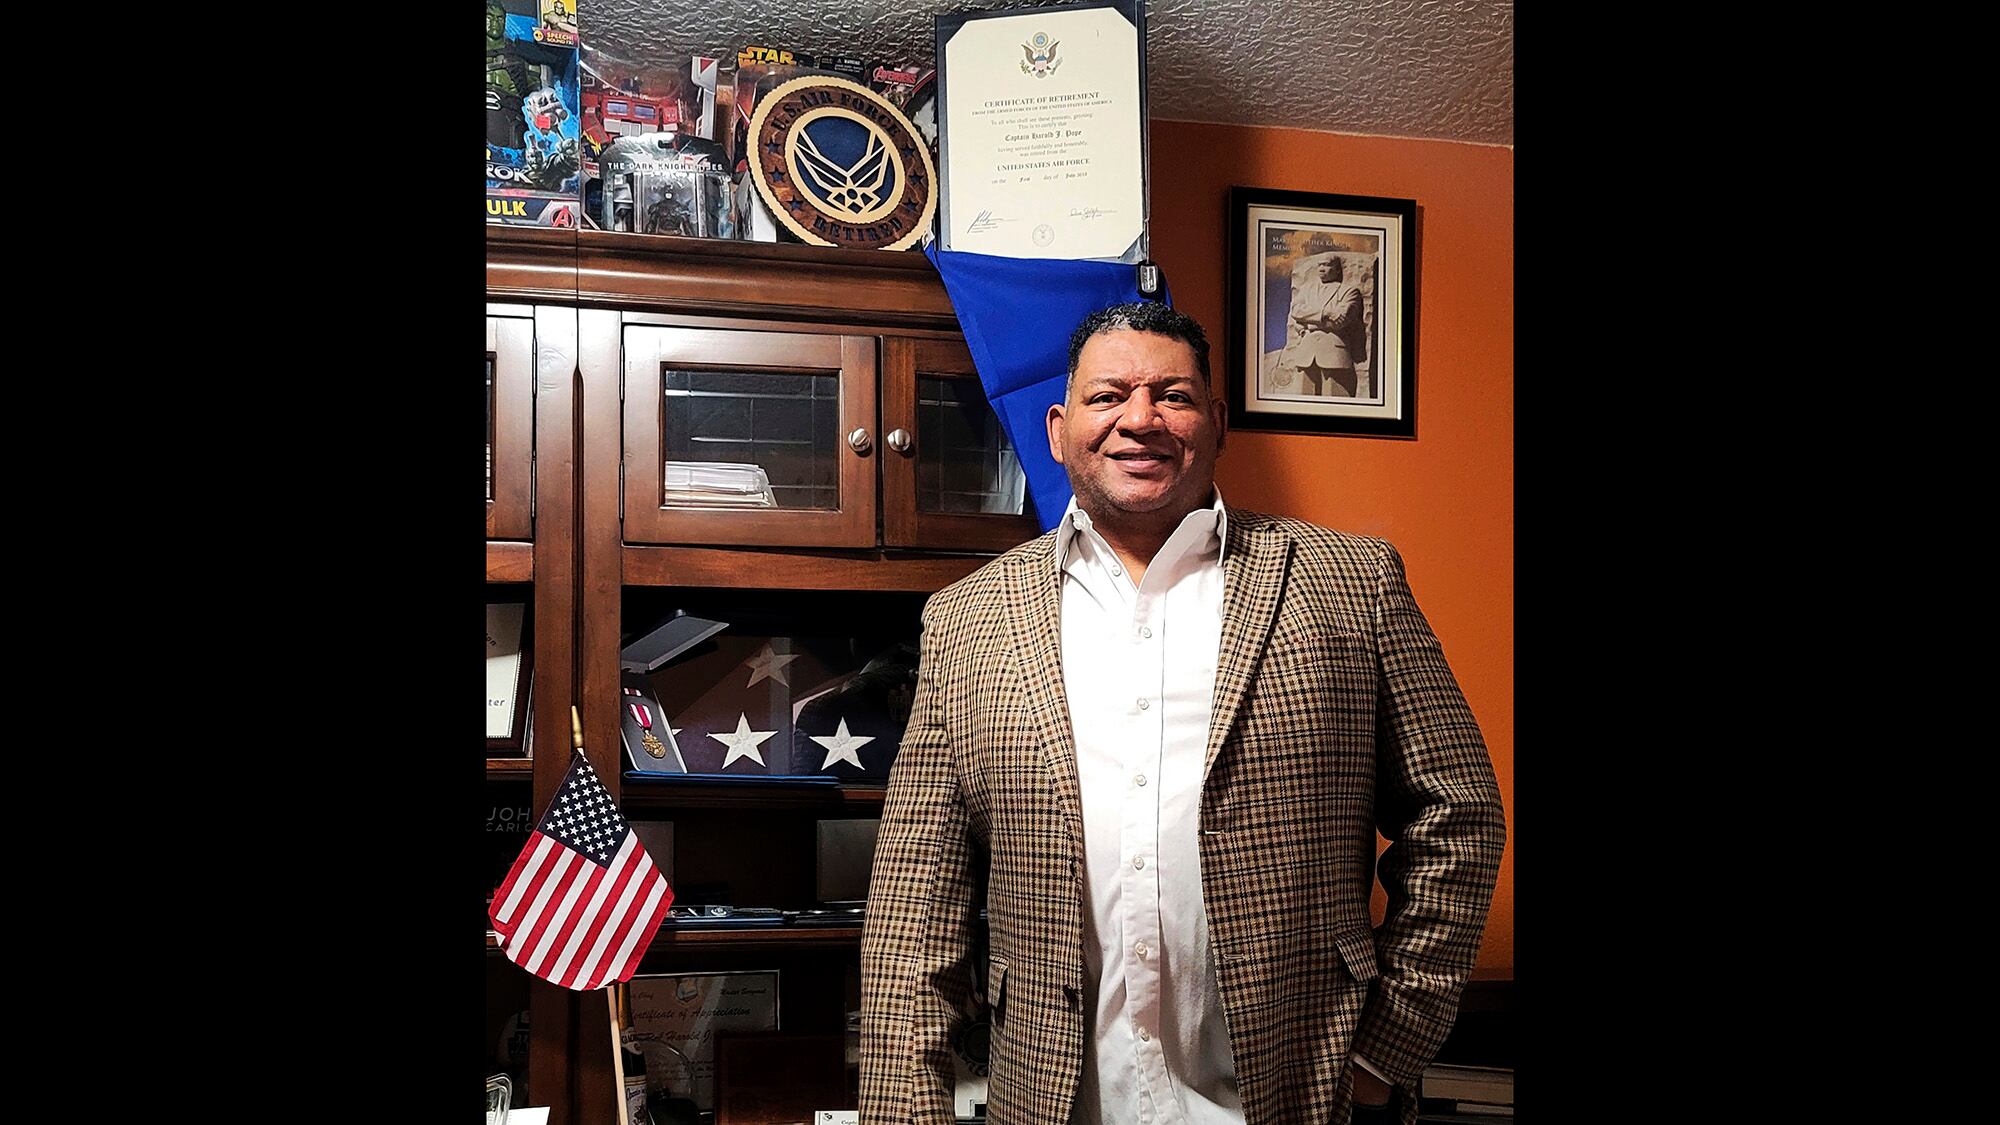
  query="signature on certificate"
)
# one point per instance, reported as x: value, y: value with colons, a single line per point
x: 985, y: 221
x: 1086, y: 212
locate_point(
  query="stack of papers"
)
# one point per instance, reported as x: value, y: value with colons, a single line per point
x: 718, y: 484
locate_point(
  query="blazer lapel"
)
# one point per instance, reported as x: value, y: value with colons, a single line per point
x: 1037, y: 654
x: 1253, y: 576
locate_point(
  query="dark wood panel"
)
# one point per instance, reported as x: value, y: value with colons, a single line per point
x: 527, y: 263
x: 722, y: 276
x: 794, y: 570
x: 802, y: 937
x: 560, y: 1042
x: 510, y: 562
x: 510, y: 346
x: 498, y: 769
x: 664, y: 795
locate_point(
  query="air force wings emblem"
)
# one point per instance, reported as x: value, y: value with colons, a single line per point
x: 1041, y: 61
x: 841, y: 166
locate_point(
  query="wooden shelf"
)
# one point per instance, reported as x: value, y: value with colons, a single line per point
x: 647, y: 795
x: 530, y: 263
x: 795, y: 569
x: 501, y: 769
x: 790, y: 937
x: 510, y: 562
x: 716, y: 277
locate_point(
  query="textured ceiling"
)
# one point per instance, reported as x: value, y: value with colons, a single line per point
x: 1404, y: 68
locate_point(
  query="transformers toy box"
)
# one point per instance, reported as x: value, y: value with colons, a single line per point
x: 533, y: 123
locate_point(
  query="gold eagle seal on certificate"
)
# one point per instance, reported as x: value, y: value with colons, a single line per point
x: 841, y: 166
x: 1041, y: 58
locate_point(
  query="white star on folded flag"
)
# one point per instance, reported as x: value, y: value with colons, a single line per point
x: 583, y: 900
x: 769, y: 665
x: 840, y: 746
x: 743, y: 743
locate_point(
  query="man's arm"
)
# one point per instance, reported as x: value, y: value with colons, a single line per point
x: 917, y: 940
x: 1438, y: 803
x: 1343, y: 313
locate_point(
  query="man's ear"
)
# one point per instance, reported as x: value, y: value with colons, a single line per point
x: 1221, y: 422
x: 1054, y: 421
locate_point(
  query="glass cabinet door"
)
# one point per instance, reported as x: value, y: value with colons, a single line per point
x: 756, y: 438
x: 950, y: 477
x: 510, y: 425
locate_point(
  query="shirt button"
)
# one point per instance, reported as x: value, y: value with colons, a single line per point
x: 1146, y: 632
x: 1143, y: 704
x: 1144, y: 1037
x: 1140, y: 949
x: 1115, y: 570
x: 1140, y: 781
x: 1138, y: 862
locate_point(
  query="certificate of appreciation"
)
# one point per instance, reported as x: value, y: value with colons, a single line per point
x: 1042, y: 131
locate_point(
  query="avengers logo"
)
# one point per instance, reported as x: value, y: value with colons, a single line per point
x: 840, y: 166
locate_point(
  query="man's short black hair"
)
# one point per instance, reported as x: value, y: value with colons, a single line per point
x: 1140, y: 316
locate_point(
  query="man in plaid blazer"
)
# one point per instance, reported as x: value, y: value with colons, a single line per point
x: 1264, y: 995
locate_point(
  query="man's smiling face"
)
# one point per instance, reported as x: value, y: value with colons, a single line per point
x: 1140, y: 433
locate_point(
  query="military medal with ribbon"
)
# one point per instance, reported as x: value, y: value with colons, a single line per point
x: 649, y: 740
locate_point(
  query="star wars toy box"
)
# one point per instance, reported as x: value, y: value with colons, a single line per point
x: 533, y: 116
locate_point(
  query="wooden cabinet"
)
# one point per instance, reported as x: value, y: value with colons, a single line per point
x: 780, y: 334
x: 840, y: 374
x: 720, y: 420
x: 949, y: 474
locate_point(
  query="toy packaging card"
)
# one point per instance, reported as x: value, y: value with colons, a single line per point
x: 666, y: 183
x: 625, y: 99
x: 533, y: 123
x: 754, y: 65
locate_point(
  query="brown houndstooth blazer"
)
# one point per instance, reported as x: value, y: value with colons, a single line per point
x: 1334, y: 715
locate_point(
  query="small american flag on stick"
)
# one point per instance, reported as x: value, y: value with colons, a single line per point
x: 583, y: 900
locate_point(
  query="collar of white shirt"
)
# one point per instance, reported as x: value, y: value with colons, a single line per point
x: 1075, y: 519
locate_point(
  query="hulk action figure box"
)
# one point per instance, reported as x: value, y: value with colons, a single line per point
x: 533, y: 124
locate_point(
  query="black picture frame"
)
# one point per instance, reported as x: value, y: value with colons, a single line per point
x: 1351, y: 368
x: 515, y: 743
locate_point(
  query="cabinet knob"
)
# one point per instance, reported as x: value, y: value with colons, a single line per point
x: 900, y: 440
x: 859, y: 440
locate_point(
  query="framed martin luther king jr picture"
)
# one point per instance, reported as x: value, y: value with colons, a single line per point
x: 1322, y: 313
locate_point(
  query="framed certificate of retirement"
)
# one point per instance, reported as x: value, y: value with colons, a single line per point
x: 1042, y: 131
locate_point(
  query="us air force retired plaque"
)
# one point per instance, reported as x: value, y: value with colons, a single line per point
x: 841, y: 166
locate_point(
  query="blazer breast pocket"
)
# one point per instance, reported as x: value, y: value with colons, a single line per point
x: 1313, y: 681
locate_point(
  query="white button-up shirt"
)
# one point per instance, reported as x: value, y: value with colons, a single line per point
x: 1139, y: 671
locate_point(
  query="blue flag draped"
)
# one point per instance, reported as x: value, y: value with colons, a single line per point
x: 1017, y: 315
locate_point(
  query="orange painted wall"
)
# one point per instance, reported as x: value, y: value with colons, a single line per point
x: 1446, y: 500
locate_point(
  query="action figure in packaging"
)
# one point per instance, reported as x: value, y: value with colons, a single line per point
x: 533, y: 154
